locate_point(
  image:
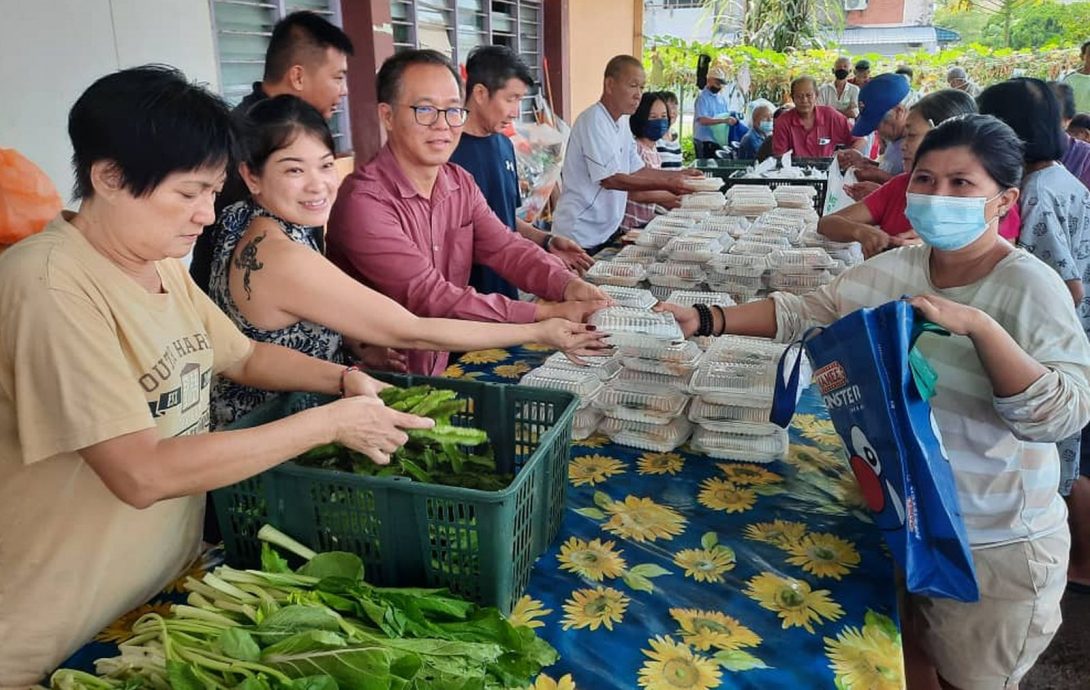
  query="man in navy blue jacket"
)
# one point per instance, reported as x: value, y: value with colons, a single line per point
x: 496, y: 82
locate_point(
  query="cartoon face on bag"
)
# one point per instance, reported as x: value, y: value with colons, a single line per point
x: 882, y: 498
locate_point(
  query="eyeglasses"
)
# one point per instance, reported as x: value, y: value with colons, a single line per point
x: 428, y: 115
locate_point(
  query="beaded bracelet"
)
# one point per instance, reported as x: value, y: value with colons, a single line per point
x: 705, y: 316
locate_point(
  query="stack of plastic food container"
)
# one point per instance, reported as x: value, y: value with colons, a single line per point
x: 584, y: 382
x: 794, y: 196
x: 800, y: 271
x: 733, y: 389
x: 616, y: 273
x: 644, y: 405
x: 750, y: 200
x: 738, y: 275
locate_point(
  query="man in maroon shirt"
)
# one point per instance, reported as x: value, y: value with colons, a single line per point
x: 810, y: 130
x: 410, y: 224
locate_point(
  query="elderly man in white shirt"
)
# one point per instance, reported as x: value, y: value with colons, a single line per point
x: 840, y: 93
x: 602, y: 167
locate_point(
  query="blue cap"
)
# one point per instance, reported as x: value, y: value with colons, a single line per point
x: 878, y: 97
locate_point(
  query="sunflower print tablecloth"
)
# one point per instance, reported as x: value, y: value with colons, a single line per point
x: 675, y: 571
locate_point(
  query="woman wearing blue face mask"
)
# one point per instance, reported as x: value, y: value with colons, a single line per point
x: 649, y: 124
x: 761, y: 130
x: 1013, y: 380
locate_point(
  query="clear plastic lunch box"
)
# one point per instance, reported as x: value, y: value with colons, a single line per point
x: 724, y: 444
x: 703, y: 411
x: 622, y: 321
x: 675, y: 275
x: 635, y: 298
x: 659, y: 438
x: 629, y: 378
x: 635, y: 254
x: 690, y: 248
x: 615, y: 273
x: 641, y: 403
x: 606, y: 367
x: 585, y: 384
x: 687, y: 298
x: 585, y: 423
x: 800, y: 260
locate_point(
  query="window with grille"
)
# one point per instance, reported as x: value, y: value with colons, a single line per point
x: 455, y: 27
x: 242, y: 29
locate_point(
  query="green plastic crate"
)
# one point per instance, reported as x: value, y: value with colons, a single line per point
x: 479, y: 544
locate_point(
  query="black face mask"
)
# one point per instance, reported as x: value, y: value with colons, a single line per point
x: 840, y: 73
x: 715, y: 89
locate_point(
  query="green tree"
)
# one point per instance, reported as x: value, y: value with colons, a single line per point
x: 1041, y: 25
x: 1004, y: 11
x: 778, y: 25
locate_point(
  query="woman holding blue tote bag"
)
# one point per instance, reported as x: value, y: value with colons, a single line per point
x: 1013, y: 379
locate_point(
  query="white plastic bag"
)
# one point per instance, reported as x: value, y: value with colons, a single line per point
x: 835, y: 196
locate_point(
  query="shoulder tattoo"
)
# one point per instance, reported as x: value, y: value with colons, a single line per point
x: 247, y: 259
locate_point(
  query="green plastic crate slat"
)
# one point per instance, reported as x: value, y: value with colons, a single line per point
x: 479, y: 544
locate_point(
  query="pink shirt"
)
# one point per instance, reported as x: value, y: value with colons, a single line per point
x: 887, y: 207
x: 637, y: 213
x: 419, y: 251
x: 820, y: 141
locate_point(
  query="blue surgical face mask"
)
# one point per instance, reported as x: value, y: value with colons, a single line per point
x: 656, y: 129
x: 948, y: 223
x: 766, y: 126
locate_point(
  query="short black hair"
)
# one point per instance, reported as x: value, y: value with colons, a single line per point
x: 1031, y: 110
x: 668, y: 96
x: 989, y: 139
x: 1065, y: 95
x: 941, y: 105
x: 274, y: 123
x: 905, y: 70
x: 494, y: 66
x: 862, y: 65
x: 388, y: 80
x: 1080, y: 121
x: 150, y: 122
x: 617, y: 64
x: 1082, y: 49
x: 638, y: 120
x: 301, y: 37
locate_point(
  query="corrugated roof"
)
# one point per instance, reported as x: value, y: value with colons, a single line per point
x: 880, y: 35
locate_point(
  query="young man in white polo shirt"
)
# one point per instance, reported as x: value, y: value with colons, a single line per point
x: 602, y: 166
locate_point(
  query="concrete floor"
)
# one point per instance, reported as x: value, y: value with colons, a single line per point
x: 1065, y: 665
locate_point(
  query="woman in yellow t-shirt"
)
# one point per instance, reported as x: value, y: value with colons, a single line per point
x: 107, y: 354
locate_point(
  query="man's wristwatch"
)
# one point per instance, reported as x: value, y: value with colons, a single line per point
x: 547, y: 242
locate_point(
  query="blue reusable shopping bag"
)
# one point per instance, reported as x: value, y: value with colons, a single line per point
x: 876, y: 387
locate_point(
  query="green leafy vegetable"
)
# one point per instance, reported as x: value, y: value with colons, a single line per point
x: 319, y: 628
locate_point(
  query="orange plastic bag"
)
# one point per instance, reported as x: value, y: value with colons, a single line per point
x: 28, y: 199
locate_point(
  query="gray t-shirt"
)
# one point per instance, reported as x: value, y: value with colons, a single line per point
x: 1055, y: 209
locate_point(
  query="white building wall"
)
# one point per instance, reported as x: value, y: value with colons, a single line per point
x: 51, y: 50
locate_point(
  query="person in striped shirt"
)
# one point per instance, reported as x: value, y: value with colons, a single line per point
x: 669, y: 146
x: 1014, y: 379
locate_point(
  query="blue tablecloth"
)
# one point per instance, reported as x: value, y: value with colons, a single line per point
x: 675, y: 570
